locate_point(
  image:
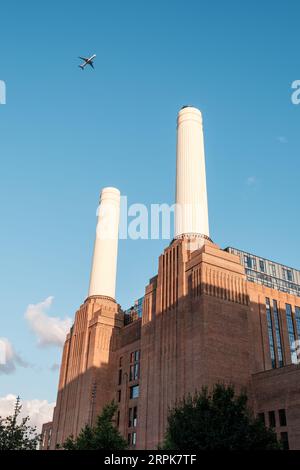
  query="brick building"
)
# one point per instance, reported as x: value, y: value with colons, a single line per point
x: 209, y: 315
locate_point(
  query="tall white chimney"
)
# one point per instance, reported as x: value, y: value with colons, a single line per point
x: 104, y: 264
x: 191, y: 213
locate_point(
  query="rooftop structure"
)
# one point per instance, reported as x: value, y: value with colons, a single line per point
x: 269, y: 273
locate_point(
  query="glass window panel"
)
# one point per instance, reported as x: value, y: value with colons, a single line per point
x: 137, y: 355
x: 278, y: 333
x: 134, y: 391
x: 297, y: 317
x: 270, y: 333
x: 272, y: 419
x: 262, y: 265
x: 134, y: 416
x: 291, y: 332
x: 282, y: 417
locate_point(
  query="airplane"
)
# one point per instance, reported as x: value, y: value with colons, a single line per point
x: 87, y: 61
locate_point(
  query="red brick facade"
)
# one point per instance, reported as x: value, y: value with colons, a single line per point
x: 202, y: 323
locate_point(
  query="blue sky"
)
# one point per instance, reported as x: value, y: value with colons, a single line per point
x: 65, y: 134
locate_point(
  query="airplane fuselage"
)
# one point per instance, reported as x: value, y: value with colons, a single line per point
x: 88, y: 61
x: 91, y: 58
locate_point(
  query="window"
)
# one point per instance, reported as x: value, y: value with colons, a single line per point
x: 273, y: 269
x: 261, y: 417
x: 284, y: 438
x: 282, y: 417
x: 262, y: 265
x: 297, y: 317
x: 134, y: 372
x: 120, y: 377
x: 277, y: 333
x: 284, y: 273
x: 250, y: 262
x: 119, y: 396
x: 137, y: 355
x: 270, y: 333
x: 132, y: 417
x: 287, y: 274
x: 291, y: 332
x: 134, y: 356
x: 139, y: 307
x: 134, y: 365
x: 272, y: 419
x: 120, y: 361
x: 131, y: 439
x: 118, y: 418
x: 135, y: 416
x: 134, y: 391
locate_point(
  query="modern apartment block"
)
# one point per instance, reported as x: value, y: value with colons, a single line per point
x: 209, y: 315
x: 269, y: 273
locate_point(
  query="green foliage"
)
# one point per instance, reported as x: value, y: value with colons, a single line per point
x: 104, y: 435
x: 217, y: 421
x: 17, y: 436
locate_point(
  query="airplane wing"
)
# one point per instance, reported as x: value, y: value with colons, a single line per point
x: 83, y: 58
x: 91, y: 64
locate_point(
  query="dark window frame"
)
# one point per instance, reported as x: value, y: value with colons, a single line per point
x: 282, y: 417
x: 272, y: 419
x: 132, y: 391
x: 284, y: 439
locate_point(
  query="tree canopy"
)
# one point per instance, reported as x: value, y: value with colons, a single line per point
x: 104, y: 435
x: 16, y: 434
x: 219, y: 420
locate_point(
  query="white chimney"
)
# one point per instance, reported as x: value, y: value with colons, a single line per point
x: 191, y: 214
x: 104, y: 264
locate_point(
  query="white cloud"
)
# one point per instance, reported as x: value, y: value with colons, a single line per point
x: 49, y: 330
x: 9, y: 359
x: 39, y: 411
x: 251, y: 180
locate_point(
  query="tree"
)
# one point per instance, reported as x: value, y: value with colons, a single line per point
x: 14, y: 436
x: 104, y: 435
x: 217, y: 421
